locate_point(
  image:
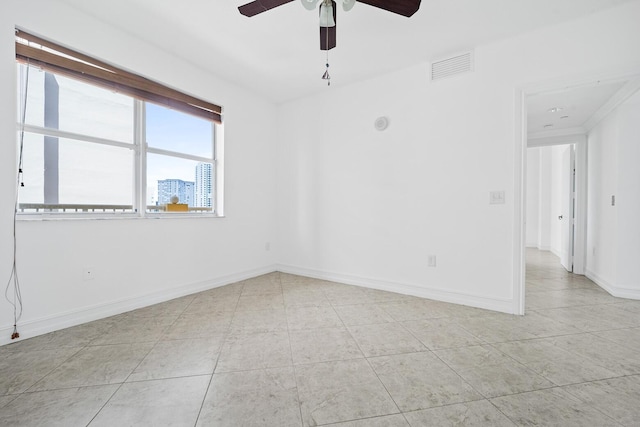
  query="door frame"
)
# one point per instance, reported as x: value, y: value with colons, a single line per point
x: 520, y: 171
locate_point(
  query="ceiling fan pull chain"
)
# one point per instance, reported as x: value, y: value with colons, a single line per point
x: 326, y: 75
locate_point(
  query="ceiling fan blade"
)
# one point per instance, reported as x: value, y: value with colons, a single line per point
x: 328, y: 34
x: 401, y: 7
x: 259, y: 6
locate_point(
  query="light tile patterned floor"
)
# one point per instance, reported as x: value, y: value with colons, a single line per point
x: 283, y: 350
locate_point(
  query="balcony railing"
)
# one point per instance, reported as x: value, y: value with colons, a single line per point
x: 81, y: 208
x: 66, y: 208
x: 162, y: 208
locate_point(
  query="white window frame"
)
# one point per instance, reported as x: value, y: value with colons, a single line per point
x: 141, y: 149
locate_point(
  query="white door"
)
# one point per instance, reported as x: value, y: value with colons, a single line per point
x: 567, y: 217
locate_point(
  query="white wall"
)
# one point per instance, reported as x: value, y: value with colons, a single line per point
x: 544, y: 202
x: 613, y: 235
x: 533, y: 197
x: 555, y: 200
x: 136, y: 261
x: 544, y: 213
x: 368, y: 207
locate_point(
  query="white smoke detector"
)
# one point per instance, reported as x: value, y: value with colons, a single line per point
x: 381, y: 123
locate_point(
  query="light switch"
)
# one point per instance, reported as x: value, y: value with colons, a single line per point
x: 496, y: 197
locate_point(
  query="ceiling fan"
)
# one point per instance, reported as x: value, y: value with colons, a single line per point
x: 328, y: 12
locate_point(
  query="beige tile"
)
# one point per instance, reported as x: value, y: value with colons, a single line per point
x: 179, y: 358
x: 261, y: 287
x: 255, y: 351
x: 21, y: 370
x: 555, y: 364
x: 346, y: 295
x: 362, y: 314
x: 415, y: 309
x: 304, y: 298
x: 5, y: 400
x: 383, y: 421
x: 260, y: 302
x: 629, y: 338
x: 384, y: 339
x: 551, y: 407
x: 262, y: 280
x: 97, y: 365
x: 631, y: 306
x: 420, y: 380
x: 441, y: 333
x: 618, y: 397
x: 143, y: 329
x: 312, y: 318
x: 69, y: 407
x: 599, y: 351
x: 247, y: 322
x: 167, y: 402
x: 222, y: 291
x: 490, y: 372
x: 172, y: 308
x: 211, y: 304
x: 75, y: 336
x: 322, y: 345
x: 496, y: 328
x: 469, y: 414
x: 266, y: 397
x: 377, y: 296
x: 332, y: 392
x: 580, y: 317
x: 199, y: 325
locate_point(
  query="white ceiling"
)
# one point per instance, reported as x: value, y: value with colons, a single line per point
x: 277, y: 52
x: 575, y: 106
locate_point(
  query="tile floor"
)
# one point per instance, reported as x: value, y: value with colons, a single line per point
x: 284, y: 350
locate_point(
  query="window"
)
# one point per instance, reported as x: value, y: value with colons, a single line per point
x: 92, y: 146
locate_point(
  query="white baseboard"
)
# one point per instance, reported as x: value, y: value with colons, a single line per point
x: 59, y: 321
x: 616, y: 291
x: 495, y: 304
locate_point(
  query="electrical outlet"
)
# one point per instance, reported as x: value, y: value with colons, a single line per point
x: 88, y: 273
x: 431, y: 261
x: 267, y: 246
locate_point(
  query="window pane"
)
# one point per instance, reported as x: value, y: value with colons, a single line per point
x: 190, y: 181
x: 57, y: 102
x: 87, y: 173
x: 172, y: 130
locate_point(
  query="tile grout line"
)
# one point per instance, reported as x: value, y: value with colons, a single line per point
x: 215, y: 365
x: 139, y: 363
x: 293, y: 366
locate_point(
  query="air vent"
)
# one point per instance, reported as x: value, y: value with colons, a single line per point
x: 452, y: 66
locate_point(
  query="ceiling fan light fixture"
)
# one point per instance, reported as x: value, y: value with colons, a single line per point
x: 347, y: 5
x: 326, y: 15
x: 309, y: 4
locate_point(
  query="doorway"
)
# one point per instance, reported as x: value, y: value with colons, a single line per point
x: 559, y: 119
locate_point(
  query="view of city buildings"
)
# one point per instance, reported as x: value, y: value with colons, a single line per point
x: 193, y: 193
x: 203, y: 185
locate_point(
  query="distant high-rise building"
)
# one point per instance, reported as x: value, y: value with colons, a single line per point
x: 168, y: 188
x: 203, y: 185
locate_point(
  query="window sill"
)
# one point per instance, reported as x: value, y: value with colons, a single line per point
x: 116, y: 217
